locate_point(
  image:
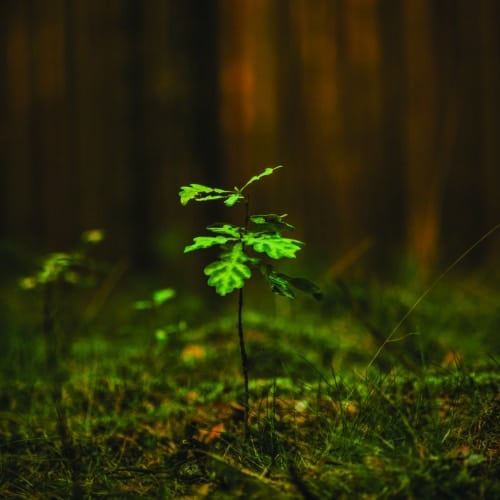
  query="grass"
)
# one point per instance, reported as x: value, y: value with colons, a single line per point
x: 140, y: 416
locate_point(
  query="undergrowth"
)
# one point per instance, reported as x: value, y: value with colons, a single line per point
x: 162, y: 416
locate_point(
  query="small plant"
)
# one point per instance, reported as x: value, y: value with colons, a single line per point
x: 245, y: 248
x: 158, y: 298
x: 58, y: 270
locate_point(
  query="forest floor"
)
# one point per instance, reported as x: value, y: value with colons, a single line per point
x: 149, y: 404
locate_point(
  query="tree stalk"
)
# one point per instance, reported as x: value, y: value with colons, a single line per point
x: 244, y: 361
x: 244, y: 357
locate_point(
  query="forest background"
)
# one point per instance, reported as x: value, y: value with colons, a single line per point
x: 385, y: 113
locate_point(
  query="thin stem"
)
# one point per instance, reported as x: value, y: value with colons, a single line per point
x: 54, y: 346
x: 244, y: 357
x: 244, y: 360
x: 429, y: 290
x: 48, y: 328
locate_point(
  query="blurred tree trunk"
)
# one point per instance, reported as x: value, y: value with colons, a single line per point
x: 489, y: 43
x: 109, y: 108
x: 40, y: 186
x: 424, y: 175
x: 51, y: 132
x: 390, y: 189
x: 248, y: 87
x: 385, y: 114
x: 183, y: 141
x: 16, y: 118
x: 356, y: 170
x: 103, y: 110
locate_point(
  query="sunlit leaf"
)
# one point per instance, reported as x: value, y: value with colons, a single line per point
x: 230, y: 271
x: 161, y: 296
x: 56, y: 265
x: 93, y: 236
x: 201, y: 242
x: 199, y: 192
x: 228, y: 229
x: 28, y: 283
x: 161, y: 335
x: 233, y: 198
x: 267, y: 171
x: 274, y: 245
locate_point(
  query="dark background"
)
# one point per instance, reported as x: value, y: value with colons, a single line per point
x: 385, y: 114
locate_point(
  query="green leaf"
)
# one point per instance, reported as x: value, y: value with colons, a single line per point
x: 201, y: 242
x: 228, y: 229
x: 199, y: 192
x: 267, y: 171
x: 271, y: 223
x: 142, y: 305
x: 230, y: 271
x: 161, y: 335
x: 92, y: 236
x: 56, y: 265
x: 273, y: 245
x: 280, y: 284
x: 161, y: 296
x: 233, y: 198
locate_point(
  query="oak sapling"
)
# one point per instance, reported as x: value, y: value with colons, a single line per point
x: 254, y: 245
x: 57, y: 271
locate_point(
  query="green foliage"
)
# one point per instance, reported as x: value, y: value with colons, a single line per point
x: 201, y: 242
x: 158, y: 298
x: 58, y: 270
x: 199, y: 192
x: 56, y: 267
x: 67, y: 267
x: 235, y: 262
x: 267, y: 171
x: 272, y: 223
x: 274, y: 245
x: 152, y: 307
x: 317, y: 423
x: 283, y: 284
x: 230, y: 271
